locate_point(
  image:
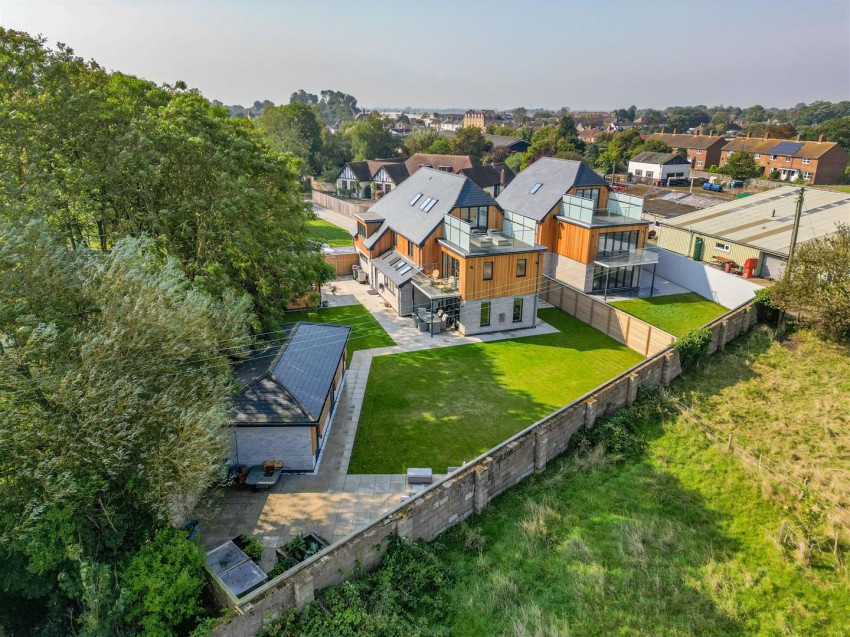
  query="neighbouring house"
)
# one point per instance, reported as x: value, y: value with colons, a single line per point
x: 591, y: 135
x: 514, y: 144
x: 757, y: 227
x: 451, y: 122
x: 481, y: 119
x: 288, y: 396
x: 656, y: 168
x: 354, y: 180
x: 703, y: 151
x: 595, y: 236
x: 490, y: 177
x: 817, y: 162
x: 440, y: 241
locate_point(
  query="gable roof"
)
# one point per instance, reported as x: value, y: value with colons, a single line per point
x: 294, y: 386
x: 422, y: 160
x: 411, y: 221
x: 555, y: 176
x: 700, y: 142
x: 368, y: 168
x: 662, y: 159
x: 489, y: 175
x: 511, y: 142
x: 785, y: 147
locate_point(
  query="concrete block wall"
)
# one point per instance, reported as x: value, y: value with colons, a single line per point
x: 470, y: 315
x: 467, y: 491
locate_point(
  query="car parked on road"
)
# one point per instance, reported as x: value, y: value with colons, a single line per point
x: 678, y: 182
x: 710, y: 186
x: 735, y: 183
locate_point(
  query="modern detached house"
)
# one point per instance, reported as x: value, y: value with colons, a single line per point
x: 288, y: 397
x: 595, y: 236
x: 439, y: 241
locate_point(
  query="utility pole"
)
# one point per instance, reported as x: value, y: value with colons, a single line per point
x: 786, y: 276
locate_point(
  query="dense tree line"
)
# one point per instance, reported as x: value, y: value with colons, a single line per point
x: 144, y: 235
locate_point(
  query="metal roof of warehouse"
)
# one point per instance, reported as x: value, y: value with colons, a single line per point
x: 765, y: 221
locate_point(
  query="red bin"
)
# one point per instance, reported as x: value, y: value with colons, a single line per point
x: 749, y: 267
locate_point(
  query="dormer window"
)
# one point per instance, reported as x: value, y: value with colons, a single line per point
x: 446, y: 169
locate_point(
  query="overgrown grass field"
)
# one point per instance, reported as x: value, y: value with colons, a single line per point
x: 366, y: 332
x: 437, y: 408
x: 330, y: 234
x: 677, y: 314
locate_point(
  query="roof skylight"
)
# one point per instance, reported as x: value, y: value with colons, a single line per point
x: 430, y: 205
x: 415, y: 198
x: 535, y: 188
x: 425, y: 203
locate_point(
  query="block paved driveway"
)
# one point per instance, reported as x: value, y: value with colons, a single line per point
x: 330, y: 502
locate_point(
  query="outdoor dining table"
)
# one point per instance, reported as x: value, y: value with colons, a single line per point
x: 432, y: 322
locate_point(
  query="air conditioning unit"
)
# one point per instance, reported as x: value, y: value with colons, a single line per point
x: 501, y: 317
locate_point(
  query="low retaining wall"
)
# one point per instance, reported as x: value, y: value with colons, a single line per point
x: 624, y: 328
x: 342, y: 206
x: 467, y: 491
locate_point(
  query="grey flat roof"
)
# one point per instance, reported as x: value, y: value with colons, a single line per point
x: 764, y: 221
x: 396, y: 267
x: 556, y: 177
x: 291, y: 387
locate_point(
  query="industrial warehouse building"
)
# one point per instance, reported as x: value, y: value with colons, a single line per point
x: 757, y: 227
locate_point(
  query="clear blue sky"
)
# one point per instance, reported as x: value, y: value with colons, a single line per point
x: 467, y: 53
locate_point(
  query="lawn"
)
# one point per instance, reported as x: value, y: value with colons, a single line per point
x: 679, y: 543
x: 677, y: 314
x: 328, y: 233
x: 366, y: 332
x: 437, y: 408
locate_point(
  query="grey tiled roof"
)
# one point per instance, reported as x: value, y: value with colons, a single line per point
x: 556, y: 177
x: 662, y: 159
x: 395, y: 266
x: 292, y: 386
x: 411, y: 221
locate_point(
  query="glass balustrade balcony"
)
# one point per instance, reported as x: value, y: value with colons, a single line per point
x: 461, y: 236
x: 621, y: 210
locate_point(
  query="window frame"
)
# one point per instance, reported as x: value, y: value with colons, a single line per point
x: 409, y: 249
x: 484, y: 274
x: 723, y: 247
x: 486, y: 306
x: 524, y: 270
x: 519, y: 302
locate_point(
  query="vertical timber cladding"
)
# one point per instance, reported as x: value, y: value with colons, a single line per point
x: 450, y: 501
x: 505, y: 281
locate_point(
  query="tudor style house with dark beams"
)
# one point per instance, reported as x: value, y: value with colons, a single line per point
x: 595, y: 236
x: 288, y: 397
x: 439, y: 241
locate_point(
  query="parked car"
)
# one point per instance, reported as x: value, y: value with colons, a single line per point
x: 678, y: 182
x: 710, y: 186
x: 735, y: 183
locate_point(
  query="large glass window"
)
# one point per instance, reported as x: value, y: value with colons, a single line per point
x: 361, y: 229
x: 488, y: 270
x: 618, y: 278
x: 485, y: 314
x: 476, y: 216
x: 520, y: 267
x: 611, y: 243
x: 589, y: 193
x: 517, y: 310
x: 451, y: 266
x: 410, y: 249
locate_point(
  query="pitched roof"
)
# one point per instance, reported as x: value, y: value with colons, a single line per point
x: 294, y: 386
x: 506, y: 140
x: 785, y: 147
x: 396, y: 267
x: 489, y: 175
x: 765, y: 221
x: 446, y: 189
x: 456, y: 162
x: 368, y: 168
x: 555, y: 176
x: 662, y: 159
x: 687, y: 141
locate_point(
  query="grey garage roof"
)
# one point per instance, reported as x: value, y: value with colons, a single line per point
x: 293, y: 386
x: 555, y: 176
x: 662, y: 159
x: 764, y: 221
x: 410, y: 220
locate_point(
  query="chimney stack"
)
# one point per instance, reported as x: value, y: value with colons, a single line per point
x: 820, y: 138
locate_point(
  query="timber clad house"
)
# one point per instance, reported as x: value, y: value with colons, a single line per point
x: 383, y: 176
x: 440, y: 242
x: 595, y: 237
x: 817, y: 162
x: 703, y: 151
x: 288, y: 397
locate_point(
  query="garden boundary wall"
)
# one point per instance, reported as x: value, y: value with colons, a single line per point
x: 624, y: 328
x: 342, y: 206
x: 342, y: 261
x: 465, y: 492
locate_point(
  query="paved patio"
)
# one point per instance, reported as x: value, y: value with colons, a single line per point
x: 329, y: 501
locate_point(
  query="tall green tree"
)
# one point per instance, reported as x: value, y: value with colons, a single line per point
x: 104, y: 155
x: 370, y: 138
x: 294, y: 128
x: 419, y: 141
x: 112, y: 406
x: 470, y: 141
x: 741, y: 165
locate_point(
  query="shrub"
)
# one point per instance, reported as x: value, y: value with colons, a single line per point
x: 251, y: 546
x: 693, y: 348
x: 766, y: 311
x: 163, y: 584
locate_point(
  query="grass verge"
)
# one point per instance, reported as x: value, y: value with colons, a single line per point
x: 366, y: 332
x: 677, y: 314
x: 437, y: 408
x: 328, y: 233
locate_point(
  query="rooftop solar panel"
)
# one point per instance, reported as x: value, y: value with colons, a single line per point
x: 785, y: 148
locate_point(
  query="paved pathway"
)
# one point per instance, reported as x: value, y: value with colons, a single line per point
x: 330, y: 501
x: 343, y: 221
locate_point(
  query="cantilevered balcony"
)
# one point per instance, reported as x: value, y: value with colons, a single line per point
x: 460, y: 236
x: 621, y: 210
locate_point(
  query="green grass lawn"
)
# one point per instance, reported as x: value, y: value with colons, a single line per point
x: 437, y: 408
x: 366, y: 332
x: 677, y: 314
x: 325, y: 232
x: 678, y: 543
